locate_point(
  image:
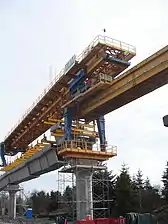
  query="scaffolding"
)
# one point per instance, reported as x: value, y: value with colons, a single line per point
x: 100, y: 191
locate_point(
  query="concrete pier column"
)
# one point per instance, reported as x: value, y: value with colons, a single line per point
x: 12, y: 205
x: 12, y: 189
x: 84, y: 199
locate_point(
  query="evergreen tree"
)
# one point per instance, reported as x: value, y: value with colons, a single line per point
x: 40, y: 202
x: 135, y: 194
x: 124, y: 193
x: 147, y: 184
x: 139, y: 187
x: 147, y: 196
x: 54, y: 200
x: 139, y: 180
x: 165, y: 183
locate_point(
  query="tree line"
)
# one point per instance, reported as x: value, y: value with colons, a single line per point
x: 113, y: 195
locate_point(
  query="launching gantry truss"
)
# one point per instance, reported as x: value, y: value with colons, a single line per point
x: 83, y: 77
x: 87, y: 74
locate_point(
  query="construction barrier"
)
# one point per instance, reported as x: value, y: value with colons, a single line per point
x: 102, y: 221
x: 117, y: 221
x: 85, y: 222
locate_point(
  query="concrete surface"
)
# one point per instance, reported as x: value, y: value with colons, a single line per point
x: 40, y: 163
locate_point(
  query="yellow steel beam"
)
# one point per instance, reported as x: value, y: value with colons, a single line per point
x: 87, y: 93
x: 49, y: 122
x: 57, y: 134
x: 41, y: 145
x: 53, y: 121
x: 77, y: 130
x: 150, y: 68
x: 84, y: 131
x: 61, y: 133
x: 48, y: 141
x: 98, y: 60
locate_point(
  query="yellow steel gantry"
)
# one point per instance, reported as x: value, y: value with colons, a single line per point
x: 109, y: 91
x: 50, y: 103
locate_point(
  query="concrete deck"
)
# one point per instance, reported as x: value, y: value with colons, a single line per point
x: 42, y: 162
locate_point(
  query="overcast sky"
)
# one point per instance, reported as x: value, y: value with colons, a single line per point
x: 35, y: 35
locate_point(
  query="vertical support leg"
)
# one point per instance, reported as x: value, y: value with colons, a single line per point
x: 12, y: 200
x: 101, y: 130
x: 2, y: 149
x: 12, y: 205
x: 84, y: 198
x: 68, y: 122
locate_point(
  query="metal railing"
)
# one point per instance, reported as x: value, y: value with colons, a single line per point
x: 108, y: 41
x: 76, y: 59
x: 84, y: 145
x: 108, y: 148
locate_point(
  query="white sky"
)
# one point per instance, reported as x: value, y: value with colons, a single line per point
x: 37, y: 34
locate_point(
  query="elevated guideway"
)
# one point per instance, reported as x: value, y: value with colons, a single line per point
x: 48, y: 159
x: 42, y: 162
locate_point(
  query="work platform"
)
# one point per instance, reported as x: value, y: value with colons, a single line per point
x: 84, y: 150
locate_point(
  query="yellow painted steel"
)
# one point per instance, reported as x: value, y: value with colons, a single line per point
x: 76, y: 131
x: 52, y: 121
x: 85, y: 153
x: 84, y: 131
x: 97, y: 87
x: 140, y: 74
x: 82, y: 149
x: 61, y: 134
x: 58, y: 134
x: 92, y: 57
x: 104, y: 92
x: 49, y: 122
x: 146, y: 70
x: 29, y: 153
x: 48, y: 141
x: 92, y: 66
